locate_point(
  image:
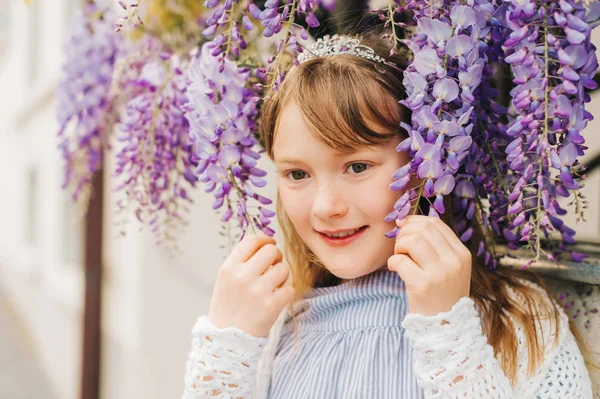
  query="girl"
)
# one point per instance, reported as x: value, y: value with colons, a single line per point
x: 370, y: 317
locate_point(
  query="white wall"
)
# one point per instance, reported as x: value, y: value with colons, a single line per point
x: 45, y: 289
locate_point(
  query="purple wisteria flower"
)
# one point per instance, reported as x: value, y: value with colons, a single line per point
x: 84, y: 97
x: 441, y: 83
x: 226, y: 145
x: 154, y: 161
x: 503, y: 179
x: 277, y: 16
x: 222, y: 113
x: 554, y: 61
x: 484, y: 175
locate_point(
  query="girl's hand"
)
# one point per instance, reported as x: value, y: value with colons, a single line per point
x: 433, y: 262
x: 249, y: 293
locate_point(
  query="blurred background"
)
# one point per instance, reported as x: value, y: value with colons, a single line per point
x: 140, y: 304
x: 150, y: 299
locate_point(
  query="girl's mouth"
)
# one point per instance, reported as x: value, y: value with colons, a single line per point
x: 340, y: 241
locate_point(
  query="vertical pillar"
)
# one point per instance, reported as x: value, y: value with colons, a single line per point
x: 90, y: 377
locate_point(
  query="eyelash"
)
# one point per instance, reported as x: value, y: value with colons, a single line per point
x: 355, y: 163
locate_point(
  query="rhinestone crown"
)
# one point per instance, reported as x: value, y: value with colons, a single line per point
x: 335, y: 45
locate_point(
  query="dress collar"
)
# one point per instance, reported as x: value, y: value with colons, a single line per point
x: 377, y: 299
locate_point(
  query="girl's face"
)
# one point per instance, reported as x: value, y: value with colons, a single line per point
x: 325, y: 191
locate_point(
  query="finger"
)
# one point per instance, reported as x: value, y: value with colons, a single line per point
x: 459, y: 247
x: 246, y: 248
x: 264, y: 258
x: 406, y: 268
x: 419, y: 249
x: 284, y: 295
x: 275, y: 276
x: 429, y: 229
x: 446, y: 230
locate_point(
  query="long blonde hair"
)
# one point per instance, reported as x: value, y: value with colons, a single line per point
x: 338, y: 96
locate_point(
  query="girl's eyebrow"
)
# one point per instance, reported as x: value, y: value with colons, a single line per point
x: 288, y: 160
x: 340, y: 155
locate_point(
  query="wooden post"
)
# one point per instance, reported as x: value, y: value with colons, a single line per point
x: 90, y: 372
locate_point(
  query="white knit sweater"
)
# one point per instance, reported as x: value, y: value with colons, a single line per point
x: 452, y: 359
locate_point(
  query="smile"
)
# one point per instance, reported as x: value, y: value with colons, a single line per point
x: 343, y: 238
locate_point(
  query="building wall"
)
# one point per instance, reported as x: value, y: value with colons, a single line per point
x: 38, y: 236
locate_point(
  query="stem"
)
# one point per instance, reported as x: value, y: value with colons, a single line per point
x: 391, y: 16
x: 229, y: 240
x: 415, y: 206
x: 152, y: 131
x: 541, y: 166
x: 490, y: 236
x: 239, y: 190
x: 491, y: 153
x: 230, y: 28
x: 289, y: 24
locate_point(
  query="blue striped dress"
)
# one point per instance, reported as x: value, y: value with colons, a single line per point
x: 350, y: 344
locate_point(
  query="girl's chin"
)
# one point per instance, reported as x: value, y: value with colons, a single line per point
x: 346, y: 274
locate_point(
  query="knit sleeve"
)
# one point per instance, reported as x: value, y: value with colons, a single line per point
x: 222, y: 362
x: 452, y: 359
x: 564, y: 376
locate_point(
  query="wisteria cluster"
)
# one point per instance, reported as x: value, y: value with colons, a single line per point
x: 486, y: 163
x: 84, y: 97
x: 441, y: 83
x: 190, y: 117
x: 222, y: 112
x: 155, y: 162
x: 553, y: 62
x: 277, y: 17
x: 465, y: 145
x: 225, y: 140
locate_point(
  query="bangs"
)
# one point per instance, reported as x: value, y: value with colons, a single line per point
x: 342, y: 107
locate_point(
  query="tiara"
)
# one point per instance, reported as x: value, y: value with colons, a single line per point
x: 336, y: 45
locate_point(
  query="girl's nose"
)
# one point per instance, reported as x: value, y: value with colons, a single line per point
x: 328, y: 202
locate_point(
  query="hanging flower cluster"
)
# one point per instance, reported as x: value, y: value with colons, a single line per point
x: 553, y: 61
x: 154, y: 162
x: 277, y: 17
x: 440, y: 83
x: 222, y: 112
x: 84, y: 98
x: 458, y: 142
x: 194, y: 116
x: 225, y: 135
x: 486, y: 173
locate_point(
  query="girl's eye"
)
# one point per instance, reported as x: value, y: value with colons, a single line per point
x: 359, y: 167
x: 296, y: 175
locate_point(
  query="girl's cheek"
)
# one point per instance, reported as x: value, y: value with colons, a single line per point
x: 296, y: 204
x: 375, y: 192
x: 289, y: 198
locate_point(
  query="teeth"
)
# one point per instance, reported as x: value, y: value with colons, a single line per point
x: 340, y: 235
